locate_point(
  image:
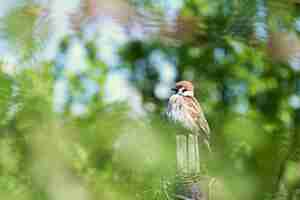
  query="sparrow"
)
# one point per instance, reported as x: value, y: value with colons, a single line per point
x: 183, y: 108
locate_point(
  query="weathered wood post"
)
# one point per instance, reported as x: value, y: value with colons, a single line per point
x: 191, y: 185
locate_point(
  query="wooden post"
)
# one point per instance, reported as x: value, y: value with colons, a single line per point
x: 188, y: 167
x: 181, y: 151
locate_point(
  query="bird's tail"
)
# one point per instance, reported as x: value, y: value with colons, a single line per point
x: 207, y: 143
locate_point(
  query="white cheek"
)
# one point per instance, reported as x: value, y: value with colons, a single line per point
x: 188, y: 93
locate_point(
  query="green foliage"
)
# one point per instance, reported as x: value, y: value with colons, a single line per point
x: 110, y: 152
x: 26, y: 39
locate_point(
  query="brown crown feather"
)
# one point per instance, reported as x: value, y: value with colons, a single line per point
x: 185, y: 84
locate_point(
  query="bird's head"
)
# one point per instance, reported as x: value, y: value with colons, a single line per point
x: 184, y: 88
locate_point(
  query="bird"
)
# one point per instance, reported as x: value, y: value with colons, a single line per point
x: 184, y: 108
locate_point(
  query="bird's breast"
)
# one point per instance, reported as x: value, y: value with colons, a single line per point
x: 177, y: 112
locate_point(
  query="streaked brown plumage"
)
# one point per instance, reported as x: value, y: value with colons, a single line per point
x: 184, y: 108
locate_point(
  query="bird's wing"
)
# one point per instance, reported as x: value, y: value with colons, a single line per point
x: 197, y: 114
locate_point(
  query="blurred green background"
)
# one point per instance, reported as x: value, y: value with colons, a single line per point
x: 84, y: 86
